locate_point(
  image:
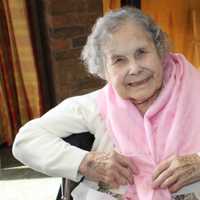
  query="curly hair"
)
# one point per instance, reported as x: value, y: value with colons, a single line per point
x: 92, y: 54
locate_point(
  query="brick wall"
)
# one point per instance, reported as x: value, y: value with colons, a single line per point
x: 68, y: 22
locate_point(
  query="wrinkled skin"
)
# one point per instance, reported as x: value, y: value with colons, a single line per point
x: 112, y: 169
x: 133, y: 65
x: 177, y: 172
x: 135, y: 70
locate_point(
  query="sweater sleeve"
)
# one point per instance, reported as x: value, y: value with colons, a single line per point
x: 39, y: 143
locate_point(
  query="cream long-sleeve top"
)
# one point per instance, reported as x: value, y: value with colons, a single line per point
x: 39, y: 143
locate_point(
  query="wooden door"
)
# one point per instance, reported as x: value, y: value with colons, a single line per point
x: 181, y: 20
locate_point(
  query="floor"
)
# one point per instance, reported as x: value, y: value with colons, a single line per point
x: 18, y: 182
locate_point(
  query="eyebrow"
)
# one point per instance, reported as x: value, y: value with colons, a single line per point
x: 116, y: 56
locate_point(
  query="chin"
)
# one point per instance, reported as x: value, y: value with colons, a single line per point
x: 140, y: 98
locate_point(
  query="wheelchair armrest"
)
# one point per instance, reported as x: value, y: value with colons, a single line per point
x: 83, y: 141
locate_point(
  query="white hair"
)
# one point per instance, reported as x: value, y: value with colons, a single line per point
x: 92, y: 54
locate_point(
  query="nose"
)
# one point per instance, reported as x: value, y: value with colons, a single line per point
x: 134, y: 67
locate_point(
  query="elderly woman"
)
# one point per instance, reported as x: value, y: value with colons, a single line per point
x: 145, y: 120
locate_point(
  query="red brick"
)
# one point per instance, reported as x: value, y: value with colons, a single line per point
x: 66, y: 54
x: 95, y: 5
x: 70, y: 19
x: 58, y: 44
x: 79, y: 42
x: 58, y: 7
x: 67, y: 32
x: 68, y: 24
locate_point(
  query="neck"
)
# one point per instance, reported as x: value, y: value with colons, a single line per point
x: 143, y: 106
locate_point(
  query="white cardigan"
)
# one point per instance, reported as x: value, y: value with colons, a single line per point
x: 39, y: 145
x: 38, y: 142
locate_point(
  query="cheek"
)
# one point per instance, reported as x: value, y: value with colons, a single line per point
x: 117, y: 76
x: 119, y: 79
x: 160, y: 73
x: 158, y: 78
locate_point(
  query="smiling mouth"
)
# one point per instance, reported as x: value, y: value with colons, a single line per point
x: 137, y: 83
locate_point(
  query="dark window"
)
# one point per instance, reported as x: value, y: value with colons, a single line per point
x: 135, y: 3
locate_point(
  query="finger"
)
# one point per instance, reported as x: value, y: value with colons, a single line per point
x: 114, y: 179
x: 126, y: 173
x: 161, y: 167
x: 121, y: 171
x: 108, y: 182
x: 176, y: 186
x: 120, y: 179
x: 169, y: 181
x: 161, y: 178
x: 126, y: 162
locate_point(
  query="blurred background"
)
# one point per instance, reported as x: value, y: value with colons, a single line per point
x: 40, y: 45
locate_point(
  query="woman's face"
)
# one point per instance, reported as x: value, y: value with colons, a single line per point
x: 133, y: 65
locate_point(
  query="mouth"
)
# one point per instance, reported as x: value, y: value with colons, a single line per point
x: 141, y: 82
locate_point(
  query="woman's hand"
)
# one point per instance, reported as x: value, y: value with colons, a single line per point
x: 177, y: 172
x: 112, y: 169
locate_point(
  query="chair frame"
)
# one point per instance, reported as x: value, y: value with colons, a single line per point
x: 84, y: 141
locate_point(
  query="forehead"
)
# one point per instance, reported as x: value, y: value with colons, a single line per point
x: 128, y: 37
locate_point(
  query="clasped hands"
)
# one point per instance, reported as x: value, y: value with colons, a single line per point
x: 114, y: 169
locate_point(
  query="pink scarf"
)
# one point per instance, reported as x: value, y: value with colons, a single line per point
x: 171, y: 125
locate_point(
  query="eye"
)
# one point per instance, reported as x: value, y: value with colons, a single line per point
x: 118, y: 60
x: 140, y: 52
